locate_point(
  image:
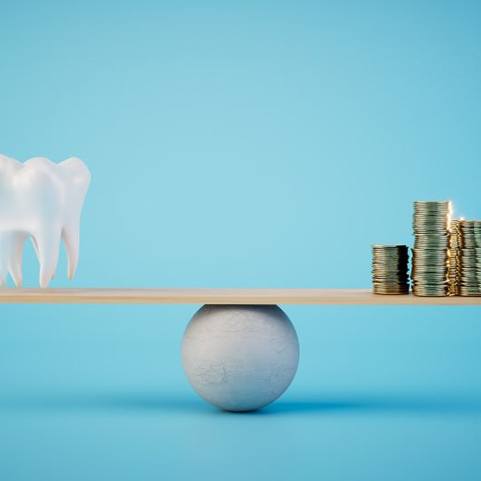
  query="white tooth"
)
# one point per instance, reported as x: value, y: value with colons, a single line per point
x: 43, y: 200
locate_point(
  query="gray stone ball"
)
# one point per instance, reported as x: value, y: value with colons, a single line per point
x: 240, y: 358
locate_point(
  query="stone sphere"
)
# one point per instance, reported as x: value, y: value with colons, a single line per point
x: 240, y: 358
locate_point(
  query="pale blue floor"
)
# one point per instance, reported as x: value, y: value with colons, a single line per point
x: 380, y: 394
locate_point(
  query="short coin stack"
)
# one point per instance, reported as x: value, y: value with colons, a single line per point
x: 430, y: 254
x: 471, y: 258
x: 390, y: 269
x: 454, y: 259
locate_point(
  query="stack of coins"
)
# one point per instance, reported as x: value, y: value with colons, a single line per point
x: 454, y: 258
x: 430, y: 254
x: 390, y: 269
x: 471, y: 258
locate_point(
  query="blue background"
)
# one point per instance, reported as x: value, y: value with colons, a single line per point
x: 247, y: 143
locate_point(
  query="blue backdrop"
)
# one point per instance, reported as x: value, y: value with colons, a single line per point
x: 262, y: 144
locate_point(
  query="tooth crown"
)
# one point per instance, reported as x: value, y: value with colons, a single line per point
x: 41, y: 200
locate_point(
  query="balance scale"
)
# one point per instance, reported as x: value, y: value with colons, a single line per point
x: 240, y: 351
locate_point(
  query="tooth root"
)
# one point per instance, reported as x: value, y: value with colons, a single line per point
x: 48, y: 246
x: 3, y: 277
x: 35, y: 246
x: 3, y: 259
x: 17, y: 240
x: 11, y: 247
x: 71, y: 237
x: 3, y: 272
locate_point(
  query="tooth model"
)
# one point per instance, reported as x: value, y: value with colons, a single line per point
x: 41, y: 200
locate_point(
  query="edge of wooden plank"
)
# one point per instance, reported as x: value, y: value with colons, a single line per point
x: 225, y: 296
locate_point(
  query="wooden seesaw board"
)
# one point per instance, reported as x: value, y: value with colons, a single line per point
x: 226, y: 296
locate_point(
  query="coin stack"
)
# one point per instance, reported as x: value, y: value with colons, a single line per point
x: 390, y: 269
x: 454, y: 258
x: 471, y: 258
x: 430, y: 254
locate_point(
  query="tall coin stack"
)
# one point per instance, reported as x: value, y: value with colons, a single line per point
x: 454, y: 259
x: 430, y: 254
x: 471, y: 258
x: 390, y: 269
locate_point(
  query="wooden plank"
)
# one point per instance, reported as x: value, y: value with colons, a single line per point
x: 221, y: 296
